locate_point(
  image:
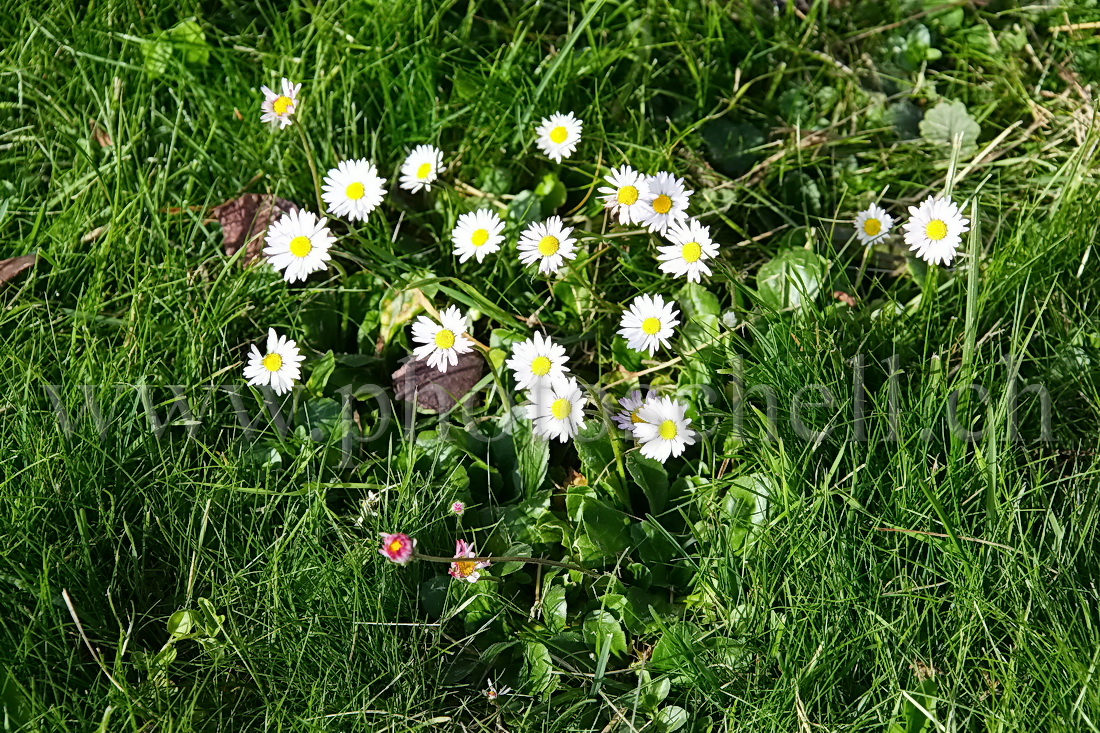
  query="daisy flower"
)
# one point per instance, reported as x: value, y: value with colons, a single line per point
x: 547, y: 243
x: 935, y: 230
x: 476, y: 234
x: 423, y: 166
x: 537, y: 361
x: 662, y: 430
x: 872, y: 224
x: 558, y: 135
x: 493, y: 692
x: 279, y: 366
x: 627, y: 417
x: 353, y: 189
x: 442, y: 342
x: 665, y: 202
x: 466, y: 570
x: 625, y: 197
x: 397, y: 548
x: 557, y: 409
x: 690, y: 249
x: 458, y: 508
x: 297, y: 245
x: 278, y: 108
x: 648, y: 323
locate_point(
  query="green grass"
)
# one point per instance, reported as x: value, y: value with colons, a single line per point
x: 913, y: 581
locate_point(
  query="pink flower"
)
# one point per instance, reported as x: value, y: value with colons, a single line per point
x: 458, y: 507
x: 397, y: 548
x: 467, y: 571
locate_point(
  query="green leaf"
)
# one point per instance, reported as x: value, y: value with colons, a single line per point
x: 190, y: 39
x: 526, y: 207
x: 551, y: 192
x: 676, y: 648
x: 182, y: 622
x: 626, y: 356
x: 597, y: 456
x: 670, y: 719
x: 651, y: 477
x: 602, y: 628
x: 538, y: 669
x: 554, y: 608
x: 322, y: 370
x: 156, y: 52
x: 519, y: 549
x: 791, y: 278
x: 949, y: 119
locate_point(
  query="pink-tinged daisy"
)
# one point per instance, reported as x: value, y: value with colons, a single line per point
x: 279, y: 108
x: 463, y: 569
x: 632, y: 404
x: 397, y: 548
x: 458, y: 508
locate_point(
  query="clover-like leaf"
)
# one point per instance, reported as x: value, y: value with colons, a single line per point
x: 947, y: 120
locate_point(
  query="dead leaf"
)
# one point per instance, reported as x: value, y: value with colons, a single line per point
x: 100, y: 135
x: 438, y: 391
x: 845, y: 298
x: 12, y: 267
x: 245, y: 220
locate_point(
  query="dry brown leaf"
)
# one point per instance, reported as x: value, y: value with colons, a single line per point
x: 845, y: 298
x: 100, y: 135
x: 12, y: 267
x: 245, y: 220
x: 438, y: 391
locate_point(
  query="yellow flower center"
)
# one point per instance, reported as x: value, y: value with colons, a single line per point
x: 558, y: 134
x: 273, y: 362
x: 691, y: 252
x: 561, y: 409
x: 281, y: 105
x: 300, y: 246
x: 479, y: 237
x: 465, y: 569
x: 395, y: 547
x: 627, y: 195
x: 423, y: 171
x: 871, y: 227
x: 936, y: 229
x: 445, y: 339
x: 355, y: 191
x: 651, y: 325
x: 548, y: 245
x: 634, y: 417
x: 540, y: 366
x: 667, y: 430
x: 662, y: 204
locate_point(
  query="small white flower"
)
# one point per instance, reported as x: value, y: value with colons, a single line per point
x: 663, y: 429
x: 558, y: 135
x: 872, y: 224
x: 279, y: 366
x: 537, y: 361
x: 647, y: 324
x: 547, y: 243
x: 476, y: 234
x: 625, y: 197
x: 690, y: 249
x: 666, y: 202
x: 494, y: 692
x: 278, y: 108
x: 298, y: 244
x: 556, y: 409
x: 628, y: 417
x: 353, y: 189
x: 935, y: 230
x: 421, y: 168
x: 442, y: 342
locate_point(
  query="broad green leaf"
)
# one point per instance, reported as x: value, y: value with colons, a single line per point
x: 651, y: 477
x: 181, y: 623
x: 670, y: 719
x: 156, y: 52
x: 602, y: 628
x: 190, y: 39
x: 593, y: 443
x: 676, y: 649
x: 538, y: 669
x: 551, y: 192
x: 322, y: 370
x: 946, y: 120
x: 554, y: 608
x: 791, y: 278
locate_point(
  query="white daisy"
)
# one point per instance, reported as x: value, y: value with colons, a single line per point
x: 648, y: 323
x: 872, y: 224
x: 537, y: 361
x: 353, y: 189
x: 298, y: 244
x: 279, y: 367
x: 547, y: 243
x: 442, y: 342
x: 690, y: 249
x: 665, y: 202
x: 278, y: 108
x: 476, y: 234
x: 625, y: 197
x: 935, y: 230
x: 558, y: 135
x: 423, y: 166
x: 627, y: 417
x: 663, y: 429
x: 556, y: 409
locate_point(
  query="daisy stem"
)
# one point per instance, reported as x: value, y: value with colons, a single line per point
x: 531, y: 560
x: 312, y: 168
